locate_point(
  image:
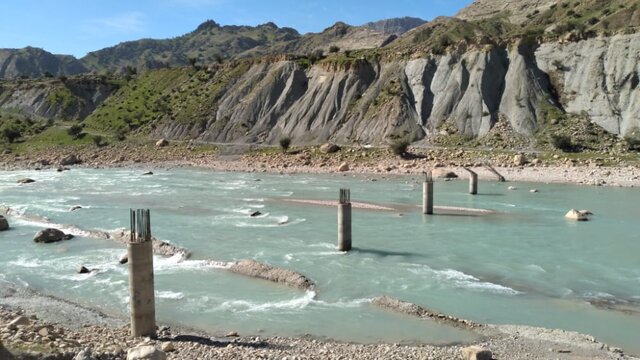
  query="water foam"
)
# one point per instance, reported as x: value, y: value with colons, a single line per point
x: 170, y: 295
x: 459, y: 279
x: 244, y: 306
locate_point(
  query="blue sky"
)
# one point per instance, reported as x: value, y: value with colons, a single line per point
x: 78, y: 26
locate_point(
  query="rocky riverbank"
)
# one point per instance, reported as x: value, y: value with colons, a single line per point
x: 33, y: 326
x: 587, y: 169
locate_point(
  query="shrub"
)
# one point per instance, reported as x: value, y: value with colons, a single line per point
x: 334, y: 49
x: 74, y: 131
x: 285, y: 142
x: 562, y: 142
x: 121, y: 133
x: 399, y: 147
x: 10, y: 134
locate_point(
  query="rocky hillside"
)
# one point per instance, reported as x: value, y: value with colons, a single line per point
x: 515, y: 10
x: 566, y: 77
x: 72, y: 99
x: 397, y: 26
x: 34, y: 62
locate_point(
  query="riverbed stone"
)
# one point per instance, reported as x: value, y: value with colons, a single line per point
x: 574, y: 214
x: 343, y: 167
x: 48, y: 236
x: 329, y: 148
x: 26, y: 181
x: 69, y: 160
x: 4, y: 224
x: 476, y: 353
x: 146, y: 352
x: 162, y: 143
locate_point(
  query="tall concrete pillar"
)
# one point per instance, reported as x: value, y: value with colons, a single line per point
x: 141, y: 283
x: 427, y: 195
x: 473, y: 181
x: 344, y: 221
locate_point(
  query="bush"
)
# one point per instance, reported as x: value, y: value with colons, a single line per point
x: 74, y: 131
x: 10, y: 134
x: 121, y: 134
x: 562, y: 142
x: 399, y: 147
x: 285, y: 142
x: 334, y: 49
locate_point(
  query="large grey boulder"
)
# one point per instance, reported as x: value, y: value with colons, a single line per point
x: 69, y: 160
x: 48, y: 236
x: 476, y: 353
x: 145, y: 352
x: 4, y: 224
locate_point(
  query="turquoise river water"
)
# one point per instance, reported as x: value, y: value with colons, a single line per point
x: 524, y: 265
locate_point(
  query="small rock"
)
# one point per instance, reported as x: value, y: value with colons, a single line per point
x: 343, y: 167
x: 148, y: 173
x: 329, y: 148
x: 20, y: 320
x: 44, y: 332
x: 574, y: 214
x: 533, y: 191
x: 443, y: 173
x: 256, y: 213
x: 84, y: 355
x: 74, y: 208
x: 4, y: 224
x: 519, y: 160
x: 146, y: 352
x: 476, y: 353
x: 82, y: 270
x: 512, y: 188
x: 67, y: 237
x: 162, y: 143
x: 167, y: 346
x: 26, y: 181
x: 124, y: 259
x: 232, y: 334
x: 585, y: 212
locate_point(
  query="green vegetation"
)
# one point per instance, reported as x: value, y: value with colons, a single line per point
x: 179, y: 95
x: 284, y: 142
x: 399, y: 147
x: 63, y: 97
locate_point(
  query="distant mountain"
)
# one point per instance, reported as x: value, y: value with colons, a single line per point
x: 396, y: 26
x: 34, y: 62
x: 208, y: 43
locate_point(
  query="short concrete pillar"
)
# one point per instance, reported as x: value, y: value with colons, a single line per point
x: 141, y: 283
x: 473, y: 184
x: 344, y: 221
x: 473, y: 181
x: 427, y: 195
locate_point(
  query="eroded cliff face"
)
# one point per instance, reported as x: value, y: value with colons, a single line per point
x: 54, y: 99
x: 600, y: 77
x: 375, y: 102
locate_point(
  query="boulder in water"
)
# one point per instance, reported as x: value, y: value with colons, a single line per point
x: 574, y: 214
x: 74, y: 208
x: 26, y: 181
x: 48, y: 236
x: 4, y: 224
x: 124, y: 259
x: 82, y: 270
x: 256, y: 213
x: 148, y: 173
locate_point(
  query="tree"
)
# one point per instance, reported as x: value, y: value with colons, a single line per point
x: 74, y: 131
x: 334, y: 49
x: 192, y: 62
x: 285, y: 142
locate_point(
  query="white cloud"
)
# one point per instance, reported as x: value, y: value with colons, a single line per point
x: 125, y: 23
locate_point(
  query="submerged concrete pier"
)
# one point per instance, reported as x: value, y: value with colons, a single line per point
x: 344, y: 220
x: 141, y: 282
x: 427, y: 194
